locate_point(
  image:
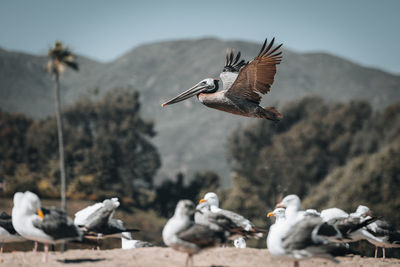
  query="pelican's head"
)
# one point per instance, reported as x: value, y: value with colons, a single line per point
x: 206, y: 86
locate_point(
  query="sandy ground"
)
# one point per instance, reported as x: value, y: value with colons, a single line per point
x: 166, y: 257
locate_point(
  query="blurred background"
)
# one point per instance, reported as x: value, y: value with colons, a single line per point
x: 338, y: 88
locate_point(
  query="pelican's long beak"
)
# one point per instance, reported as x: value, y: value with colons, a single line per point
x: 197, y: 89
x: 270, y: 214
x: 279, y: 205
x: 40, y: 213
x: 202, y: 200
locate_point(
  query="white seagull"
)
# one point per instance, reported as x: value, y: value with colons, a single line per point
x: 388, y: 235
x: 183, y: 234
x: 7, y: 231
x: 220, y: 222
x: 248, y: 228
x: 350, y: 225
x: 31, y: 223
x: 97, y: 220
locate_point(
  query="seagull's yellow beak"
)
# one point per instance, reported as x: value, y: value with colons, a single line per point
x: 202, y: 200
x: 270, y: 214
x: 40, y: 213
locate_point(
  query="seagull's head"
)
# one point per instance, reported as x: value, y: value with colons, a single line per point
x: 289, y: 201
x: 279, y: 213
x: 212, y: 199
x: 185, y: 208
x: 32, y: 203
x: 363, y: 211
x: 206, y: 86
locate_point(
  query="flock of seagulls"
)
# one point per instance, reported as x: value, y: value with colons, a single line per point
x: 296, y: 234
x: 49, y: 225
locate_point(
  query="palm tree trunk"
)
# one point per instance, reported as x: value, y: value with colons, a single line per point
x: 60, y: 143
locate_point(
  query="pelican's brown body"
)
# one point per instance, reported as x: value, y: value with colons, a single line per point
x: 238, y: 106
x: 243, y: 84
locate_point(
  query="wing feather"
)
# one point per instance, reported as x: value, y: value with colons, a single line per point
x: 258, y: 75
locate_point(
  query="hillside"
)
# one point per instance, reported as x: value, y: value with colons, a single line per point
x: 190, y: 136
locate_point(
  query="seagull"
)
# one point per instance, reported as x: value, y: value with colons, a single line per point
x: 221, y: 222
x: 248, y: 229
x: 97, y: 222
x: 31, y: 223
x: 88, y: 214
x: 127, y: 242
x: 389, y: 236
x: 243, y: 85
x: 7, y: 231
x: 350, y: 225
x: 183, y: 234
x: 309, y: 237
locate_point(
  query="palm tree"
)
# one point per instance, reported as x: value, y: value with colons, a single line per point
x: 59, y: 58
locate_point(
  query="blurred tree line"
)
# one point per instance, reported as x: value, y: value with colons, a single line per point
x: 107, y: 148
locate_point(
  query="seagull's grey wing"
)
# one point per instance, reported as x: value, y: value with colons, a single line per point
x: 239, y: 220
x: 215, y: 221
x: 299, y: 235
x: 309, y: 232
x: 99, y: 219
x: 311, y: 237
x: 348, y: 225
x: 57, y: 224
x: 202, y: 236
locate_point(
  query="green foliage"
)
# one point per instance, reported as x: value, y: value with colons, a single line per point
x: 272, y: 160
x: 107, y: 147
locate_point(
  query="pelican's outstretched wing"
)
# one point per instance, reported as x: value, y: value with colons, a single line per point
x: 232, y: 63
x: 258, y: 75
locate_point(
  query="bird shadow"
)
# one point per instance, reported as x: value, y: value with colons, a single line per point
x: 81, y: 260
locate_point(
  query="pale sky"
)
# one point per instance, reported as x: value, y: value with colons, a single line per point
x: 366, y: 32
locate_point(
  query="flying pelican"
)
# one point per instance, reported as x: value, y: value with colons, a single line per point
x: 243, y: 82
